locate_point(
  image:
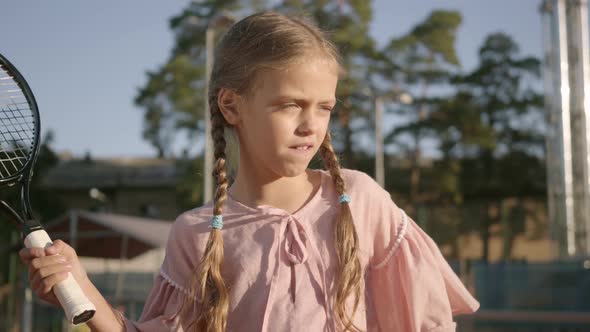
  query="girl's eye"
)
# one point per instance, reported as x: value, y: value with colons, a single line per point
x: 289, y: 106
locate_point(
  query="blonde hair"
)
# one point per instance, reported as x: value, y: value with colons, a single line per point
x: 267, y: 40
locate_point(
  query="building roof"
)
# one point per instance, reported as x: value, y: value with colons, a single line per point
x: 108, y: 173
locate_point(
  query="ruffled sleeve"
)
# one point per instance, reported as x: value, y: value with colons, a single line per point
x: 161, y: 309
x: 413, y: 288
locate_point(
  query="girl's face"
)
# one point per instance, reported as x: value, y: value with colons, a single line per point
x: 285, y: 117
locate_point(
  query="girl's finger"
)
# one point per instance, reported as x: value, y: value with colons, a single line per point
x: 57, y: 247
x: 53, y: 275
x: 47, y: 271
x: 28, y: 254
x: 40, y: 262
x: 46, y: 284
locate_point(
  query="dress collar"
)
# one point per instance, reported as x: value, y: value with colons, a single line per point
x: 274, y: 211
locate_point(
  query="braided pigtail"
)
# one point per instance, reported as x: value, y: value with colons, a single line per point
x: 346, y: 243
x: 208, y: 286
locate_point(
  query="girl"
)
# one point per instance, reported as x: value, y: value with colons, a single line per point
x: 285, y: 248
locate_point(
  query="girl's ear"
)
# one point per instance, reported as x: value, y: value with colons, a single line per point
x: 228, y: 105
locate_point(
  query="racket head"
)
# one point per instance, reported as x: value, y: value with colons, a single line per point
x: 20, y: 125
x: 20, y: 128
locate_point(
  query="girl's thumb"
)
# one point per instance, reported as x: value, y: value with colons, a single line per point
x: 56, y: 248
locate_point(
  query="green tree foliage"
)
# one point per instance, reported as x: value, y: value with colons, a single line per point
x: 173, y: 97
x: 425, y: 57
x: 502, y: 149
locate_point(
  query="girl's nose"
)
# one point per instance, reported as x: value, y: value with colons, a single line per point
x: 307, y: 122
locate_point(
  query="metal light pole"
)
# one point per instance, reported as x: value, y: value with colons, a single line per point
x: 379, y: 150
x: 393, y: 96
x: 566, y: 68
x: 579, y: 78
x: 27, y: 318
x: 207, y: 191
x: 219, y: 21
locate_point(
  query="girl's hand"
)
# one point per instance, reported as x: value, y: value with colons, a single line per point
x: 47, y: 267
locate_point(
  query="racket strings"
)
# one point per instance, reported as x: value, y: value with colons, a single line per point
x: 17, y: 126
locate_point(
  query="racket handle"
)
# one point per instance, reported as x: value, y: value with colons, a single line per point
x: 76, y: 305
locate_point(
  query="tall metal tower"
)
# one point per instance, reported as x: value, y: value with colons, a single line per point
x: 567, y: 101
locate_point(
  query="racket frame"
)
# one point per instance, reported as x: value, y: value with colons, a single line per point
x: 27, y: 224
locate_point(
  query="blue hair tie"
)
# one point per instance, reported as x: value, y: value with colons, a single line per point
x: 344, y: 198
x: 217, y: 222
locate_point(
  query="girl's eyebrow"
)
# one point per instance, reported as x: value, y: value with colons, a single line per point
x: 300, y: 100
x: 329, y: 101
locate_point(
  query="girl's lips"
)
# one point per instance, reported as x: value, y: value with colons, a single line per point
x: 301, y: 146
x: 302, y: 149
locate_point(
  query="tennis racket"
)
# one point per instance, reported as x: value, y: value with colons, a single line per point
x: 19, y: 145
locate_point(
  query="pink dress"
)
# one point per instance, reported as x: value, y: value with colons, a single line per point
x: 280, y: 267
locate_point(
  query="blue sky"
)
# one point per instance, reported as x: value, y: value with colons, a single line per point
x: 86, y: 60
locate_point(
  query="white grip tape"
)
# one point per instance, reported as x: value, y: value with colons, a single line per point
x: 68, y: 292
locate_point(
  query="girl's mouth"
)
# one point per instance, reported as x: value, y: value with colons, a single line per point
x: 304, y: 148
